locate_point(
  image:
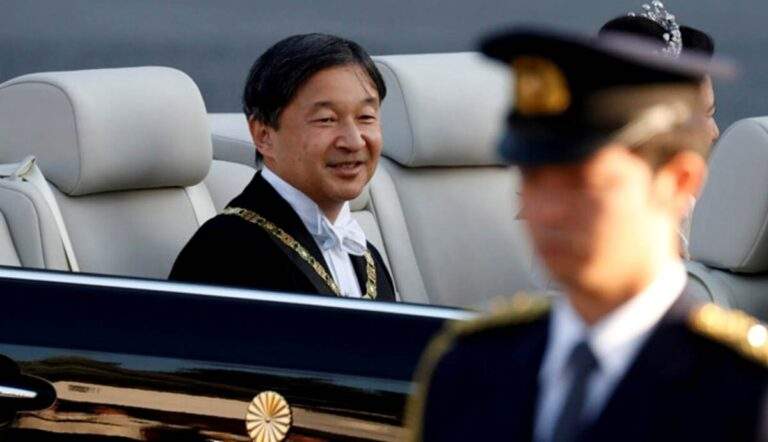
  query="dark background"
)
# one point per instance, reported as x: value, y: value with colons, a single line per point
x: 216, y: 41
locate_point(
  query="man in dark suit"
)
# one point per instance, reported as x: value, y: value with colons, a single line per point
x: 611, y: 141
x: 312, y: 103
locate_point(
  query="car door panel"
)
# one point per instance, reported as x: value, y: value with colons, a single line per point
x: 130, y: 363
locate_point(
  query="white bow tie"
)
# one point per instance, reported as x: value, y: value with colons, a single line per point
x: 348, y: 235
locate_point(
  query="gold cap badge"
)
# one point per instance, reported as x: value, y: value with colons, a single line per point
x: 540, y: 87
x: 269, y: 417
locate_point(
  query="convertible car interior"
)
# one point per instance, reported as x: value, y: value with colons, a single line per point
x: 135, y: 165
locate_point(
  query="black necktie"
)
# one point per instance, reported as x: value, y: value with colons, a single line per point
x: 581, y: 363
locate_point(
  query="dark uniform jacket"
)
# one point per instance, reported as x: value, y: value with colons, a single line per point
x: 229, y: 250
x: 696, y: 378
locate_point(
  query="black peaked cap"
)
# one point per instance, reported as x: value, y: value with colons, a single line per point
x: 588, y: 66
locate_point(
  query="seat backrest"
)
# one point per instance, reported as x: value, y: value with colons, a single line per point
x: 442, y: 120
x: 231, y: 138
x: 126, y: 151
x: 31, y: 238
x: 729, y: 227
x: 226, y: 180
x: 9, y: 256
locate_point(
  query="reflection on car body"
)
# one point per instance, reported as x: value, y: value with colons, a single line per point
x: 136, y: 358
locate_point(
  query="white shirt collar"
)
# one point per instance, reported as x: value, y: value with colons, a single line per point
x: 345, y: 232
x: 616, y: 338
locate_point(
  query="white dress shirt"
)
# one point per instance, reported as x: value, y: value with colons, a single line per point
x: 336, y: 240
x: 615, y: 341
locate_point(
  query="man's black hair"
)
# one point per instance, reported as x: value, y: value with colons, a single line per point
x: 282, y: 70
x: 694, y: 40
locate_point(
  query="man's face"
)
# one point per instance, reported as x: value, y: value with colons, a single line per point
x: 708, y: 99
x: 328, y: 140
x: 595, y: 222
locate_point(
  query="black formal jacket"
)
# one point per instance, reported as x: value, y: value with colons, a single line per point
x: 229, y: 250
x: 481, y: 384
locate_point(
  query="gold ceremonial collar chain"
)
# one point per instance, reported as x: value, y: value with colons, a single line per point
x: 290, y: 242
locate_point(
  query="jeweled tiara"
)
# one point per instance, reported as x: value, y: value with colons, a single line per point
x: 659, y: 14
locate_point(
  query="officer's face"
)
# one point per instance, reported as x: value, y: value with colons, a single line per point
x: 595, y: 224
x: 329, y: 139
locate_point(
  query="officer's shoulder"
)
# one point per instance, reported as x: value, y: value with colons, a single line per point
x: 745, y: 336
x: 506, y: 313
x: 509, y: 314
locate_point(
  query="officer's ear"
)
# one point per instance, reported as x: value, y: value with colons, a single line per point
x: 263, y: 137
x: 680, y: 179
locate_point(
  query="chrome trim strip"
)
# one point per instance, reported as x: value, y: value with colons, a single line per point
x: 230, y: 292
x: 16, y: 393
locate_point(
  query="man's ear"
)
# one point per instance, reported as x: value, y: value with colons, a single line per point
x: 684, y: 174
x: 263, y: 137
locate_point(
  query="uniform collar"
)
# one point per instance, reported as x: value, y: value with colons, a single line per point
x: 616, y: 338
x: 344, y: 233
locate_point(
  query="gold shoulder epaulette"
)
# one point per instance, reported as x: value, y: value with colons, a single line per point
x: 519, y: 309
x: 733, y: 328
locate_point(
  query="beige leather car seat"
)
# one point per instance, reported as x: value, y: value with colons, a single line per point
x: 29, y: 236
x: 231, y: 138
x: 442, y: 121
x: 125, y: 150
x: 729, y: 228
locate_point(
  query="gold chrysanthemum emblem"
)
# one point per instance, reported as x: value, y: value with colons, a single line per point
x: 269, y: 417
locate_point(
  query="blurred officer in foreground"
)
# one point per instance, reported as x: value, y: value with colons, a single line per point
x: 612, y: 141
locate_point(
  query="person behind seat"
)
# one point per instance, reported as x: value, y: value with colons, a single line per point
x: 312, y: 103
x: 692, y: 41
x: 611, y: 144
x: 659, y: 26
